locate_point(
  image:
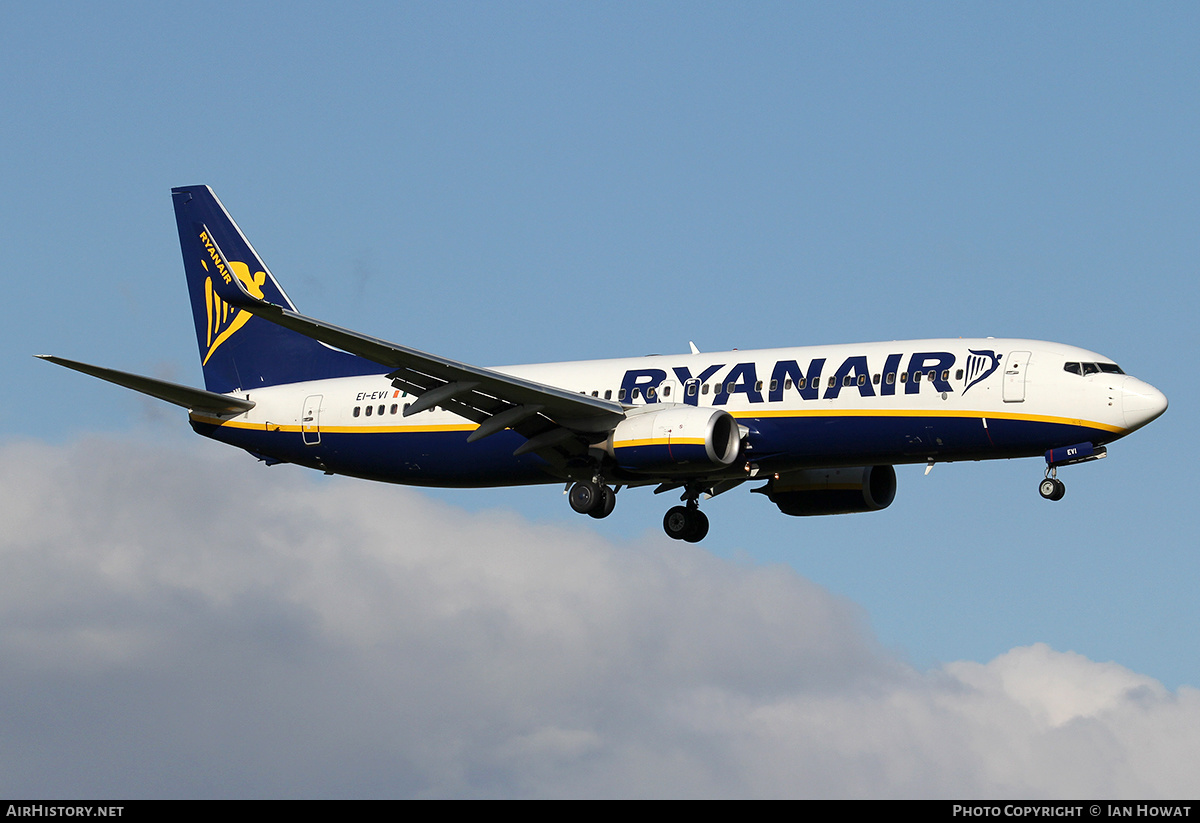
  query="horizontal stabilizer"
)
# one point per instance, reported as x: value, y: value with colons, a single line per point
x: 192, y: 399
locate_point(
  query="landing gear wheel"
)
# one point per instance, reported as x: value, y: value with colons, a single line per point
x: 676, y: 522
x: 699, y: 527
x: 1052, y: 488
x: 608, y: 501
x: 683, y: 523
x: 585, y: 497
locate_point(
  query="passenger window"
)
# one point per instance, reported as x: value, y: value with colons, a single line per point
x: 832, y: 382
x: 608, y: 394
x: 395, y: 408
x: 691, y: 390
x: 932, y: 375
x: 634, y: 394
x: 758, y: 386
x: 875, y: 380
x: 620, y: 394
x: 775, y: 385
x: 369, y: 409
x: 847, y: 380
x: 801, y: 382
x: 787, y: 384
x: 595, y: 394
x: 916, y: 377
x: 945, y: 375
x: 862, y: 379
x: 891, y: 378
x: 357, y: 409
x: 666, y: 391
x: 958, y: 374
x: 381, y: 408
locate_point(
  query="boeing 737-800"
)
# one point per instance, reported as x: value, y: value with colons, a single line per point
x: 819, y: 427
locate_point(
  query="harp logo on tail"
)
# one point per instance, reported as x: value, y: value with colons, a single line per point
x: 224, y: 319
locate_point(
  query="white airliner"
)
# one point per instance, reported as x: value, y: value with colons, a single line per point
x: 819, y: 427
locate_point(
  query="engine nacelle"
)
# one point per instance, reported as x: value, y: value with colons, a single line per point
x: 833, y: 491
x: 675, y: 438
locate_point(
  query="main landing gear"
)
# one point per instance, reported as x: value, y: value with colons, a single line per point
x: 1051, y: 487
x: 592, y: 498
x: 686, y: 523
x: 595, y: 499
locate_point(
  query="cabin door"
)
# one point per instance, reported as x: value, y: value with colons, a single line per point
x: 1014, y: 376
x: 310, y: 420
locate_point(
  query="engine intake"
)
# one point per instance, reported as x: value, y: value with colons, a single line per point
x: 832, y: 491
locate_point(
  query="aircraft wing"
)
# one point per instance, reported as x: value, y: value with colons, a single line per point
x: 546, y: 415
x: 191, y: 399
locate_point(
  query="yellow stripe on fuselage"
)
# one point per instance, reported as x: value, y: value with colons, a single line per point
x: 282, y: 427
x: 969, y: 415
x: 741, y: 414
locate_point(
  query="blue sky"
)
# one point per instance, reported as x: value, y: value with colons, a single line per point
x: 508, y: 183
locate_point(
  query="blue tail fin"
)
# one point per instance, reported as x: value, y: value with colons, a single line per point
x: 239, y: 351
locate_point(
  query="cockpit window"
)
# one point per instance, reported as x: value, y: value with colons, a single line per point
x: 1092, y: 368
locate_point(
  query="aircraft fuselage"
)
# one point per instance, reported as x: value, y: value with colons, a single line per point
x: 849, y: 405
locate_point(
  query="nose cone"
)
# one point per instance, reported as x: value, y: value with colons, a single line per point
x: 1141, y: 403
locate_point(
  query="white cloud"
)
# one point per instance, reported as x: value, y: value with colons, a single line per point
x: 177, y: 622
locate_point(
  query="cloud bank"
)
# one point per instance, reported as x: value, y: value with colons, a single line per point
x: 178, y: 622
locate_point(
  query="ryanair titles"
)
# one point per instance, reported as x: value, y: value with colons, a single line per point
x: 815, y: 380
x: 215, y: 255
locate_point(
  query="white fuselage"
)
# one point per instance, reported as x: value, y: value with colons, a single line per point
x: 894, y: 402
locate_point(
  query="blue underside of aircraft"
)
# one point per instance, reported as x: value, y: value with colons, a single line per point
x: 445, y: 458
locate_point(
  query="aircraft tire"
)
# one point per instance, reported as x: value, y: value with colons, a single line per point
x: 585, y: 497
x: 682, y: 523
x: 677, y: 523
x: 1060, y: 489
x: 1047, y: 488
x: 608, y: 501
x: 699, y: 526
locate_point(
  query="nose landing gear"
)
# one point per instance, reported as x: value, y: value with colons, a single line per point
x: 1051, y: 487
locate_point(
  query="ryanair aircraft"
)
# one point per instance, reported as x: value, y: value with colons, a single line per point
x: 820, y: 427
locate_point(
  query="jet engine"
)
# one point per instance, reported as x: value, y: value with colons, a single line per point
x: 832, y: 491
x: 675, y: 438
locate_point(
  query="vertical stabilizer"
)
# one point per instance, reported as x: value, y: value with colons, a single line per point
x: 239, y: 351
